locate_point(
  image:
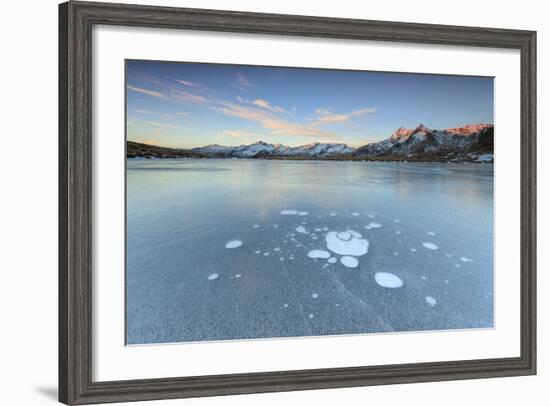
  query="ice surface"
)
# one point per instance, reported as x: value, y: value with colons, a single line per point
x: 234, y: 244
x: 318, y: 254
x: 350, y: 262
x: 388, y: 280
x: 178, y: 223
x: 347, y: 243
x: 430, y: 245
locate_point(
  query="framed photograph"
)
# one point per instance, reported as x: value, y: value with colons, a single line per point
x: 257, y: 202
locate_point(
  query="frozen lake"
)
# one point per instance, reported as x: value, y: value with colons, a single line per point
x: 241, y: 249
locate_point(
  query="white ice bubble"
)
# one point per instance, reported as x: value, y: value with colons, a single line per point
x: 388, y: 280
x: 303, y: 213
x: 372, y: 216
x: 423, y: 278
x: 457, y: 265
x: 413, y: 249
x: 396, y: 253
x: 464, y: 259
x: 310, y: 316
x: 317, y: 230
x: 275, y: 225
x: 355, y: 214
x: 322, y: 254
x: 285, y: 305
x: 289, y: 212
x: 213, y: 276
x: 448, y: 255
x: 430, y: 245
x: 325, y: 228
x: 431, y: 301
x: 332, y: 214
x: 266, y: 254
x: 301, y: 229
x: 350, y: 262
x: 276, y: 249
x: 233, y: 244
x: 347, y: 243
x: 373, y: 225
x: 256, y: 225
x: 332, y: 260
x: 314, y: 295
x: 257, y: 252
x: 238, y: 275
x: 430, y: 233
x: 446, y: 281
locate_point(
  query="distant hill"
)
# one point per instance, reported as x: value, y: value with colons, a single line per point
x: 138, y: 150
x: 470, y: 143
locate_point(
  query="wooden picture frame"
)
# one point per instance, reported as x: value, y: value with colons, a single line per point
x: 76, y: 20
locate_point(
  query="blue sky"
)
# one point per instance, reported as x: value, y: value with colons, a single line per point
x: 186, y: 105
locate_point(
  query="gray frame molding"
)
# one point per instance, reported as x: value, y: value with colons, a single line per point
x: 76, y: 20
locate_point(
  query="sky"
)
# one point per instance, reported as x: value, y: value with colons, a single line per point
x: 186, y: 105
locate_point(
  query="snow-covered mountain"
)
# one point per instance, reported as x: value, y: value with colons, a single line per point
x: 472, y: 142
x: 261, y: 149
x: 422, y: 142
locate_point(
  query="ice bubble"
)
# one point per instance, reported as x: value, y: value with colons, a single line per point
x: 423, y: 278
x: 281, y: 259
x: 238, y: 275
x: 350, y: 262
x: 430, y: 233
x: 396, y: 253
x: 388, y: 280
x: 256, y: 225
x: 285, y: 305
x: 275, y: 225
x: 301, y: 229
x: 289, y: 212
x: 325, y: 228
x: 373, y: 225
x: 347, y: 243
x: 372, y: 216
x: 413, y: 249
x: 266, y: 254
x: 355, y: 214
x: 257, y: 252
x: 303, y: 213
x: 213, y: 276
x: 314, y: 295
x: 310, y: 316
x: 430, y: 245
x: 431, y: 301
x: 234, y: 244
x: 464, y: 259
x: 448, y: 255
x: 332, y: 260
x: 317, y: 230
x: 318, y: 254
x: 398, y: 232
x: 457, y: 265
x: 446, y: 281
x: 332, y: 214
x: 396, y: 221
x: 276, y: 249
